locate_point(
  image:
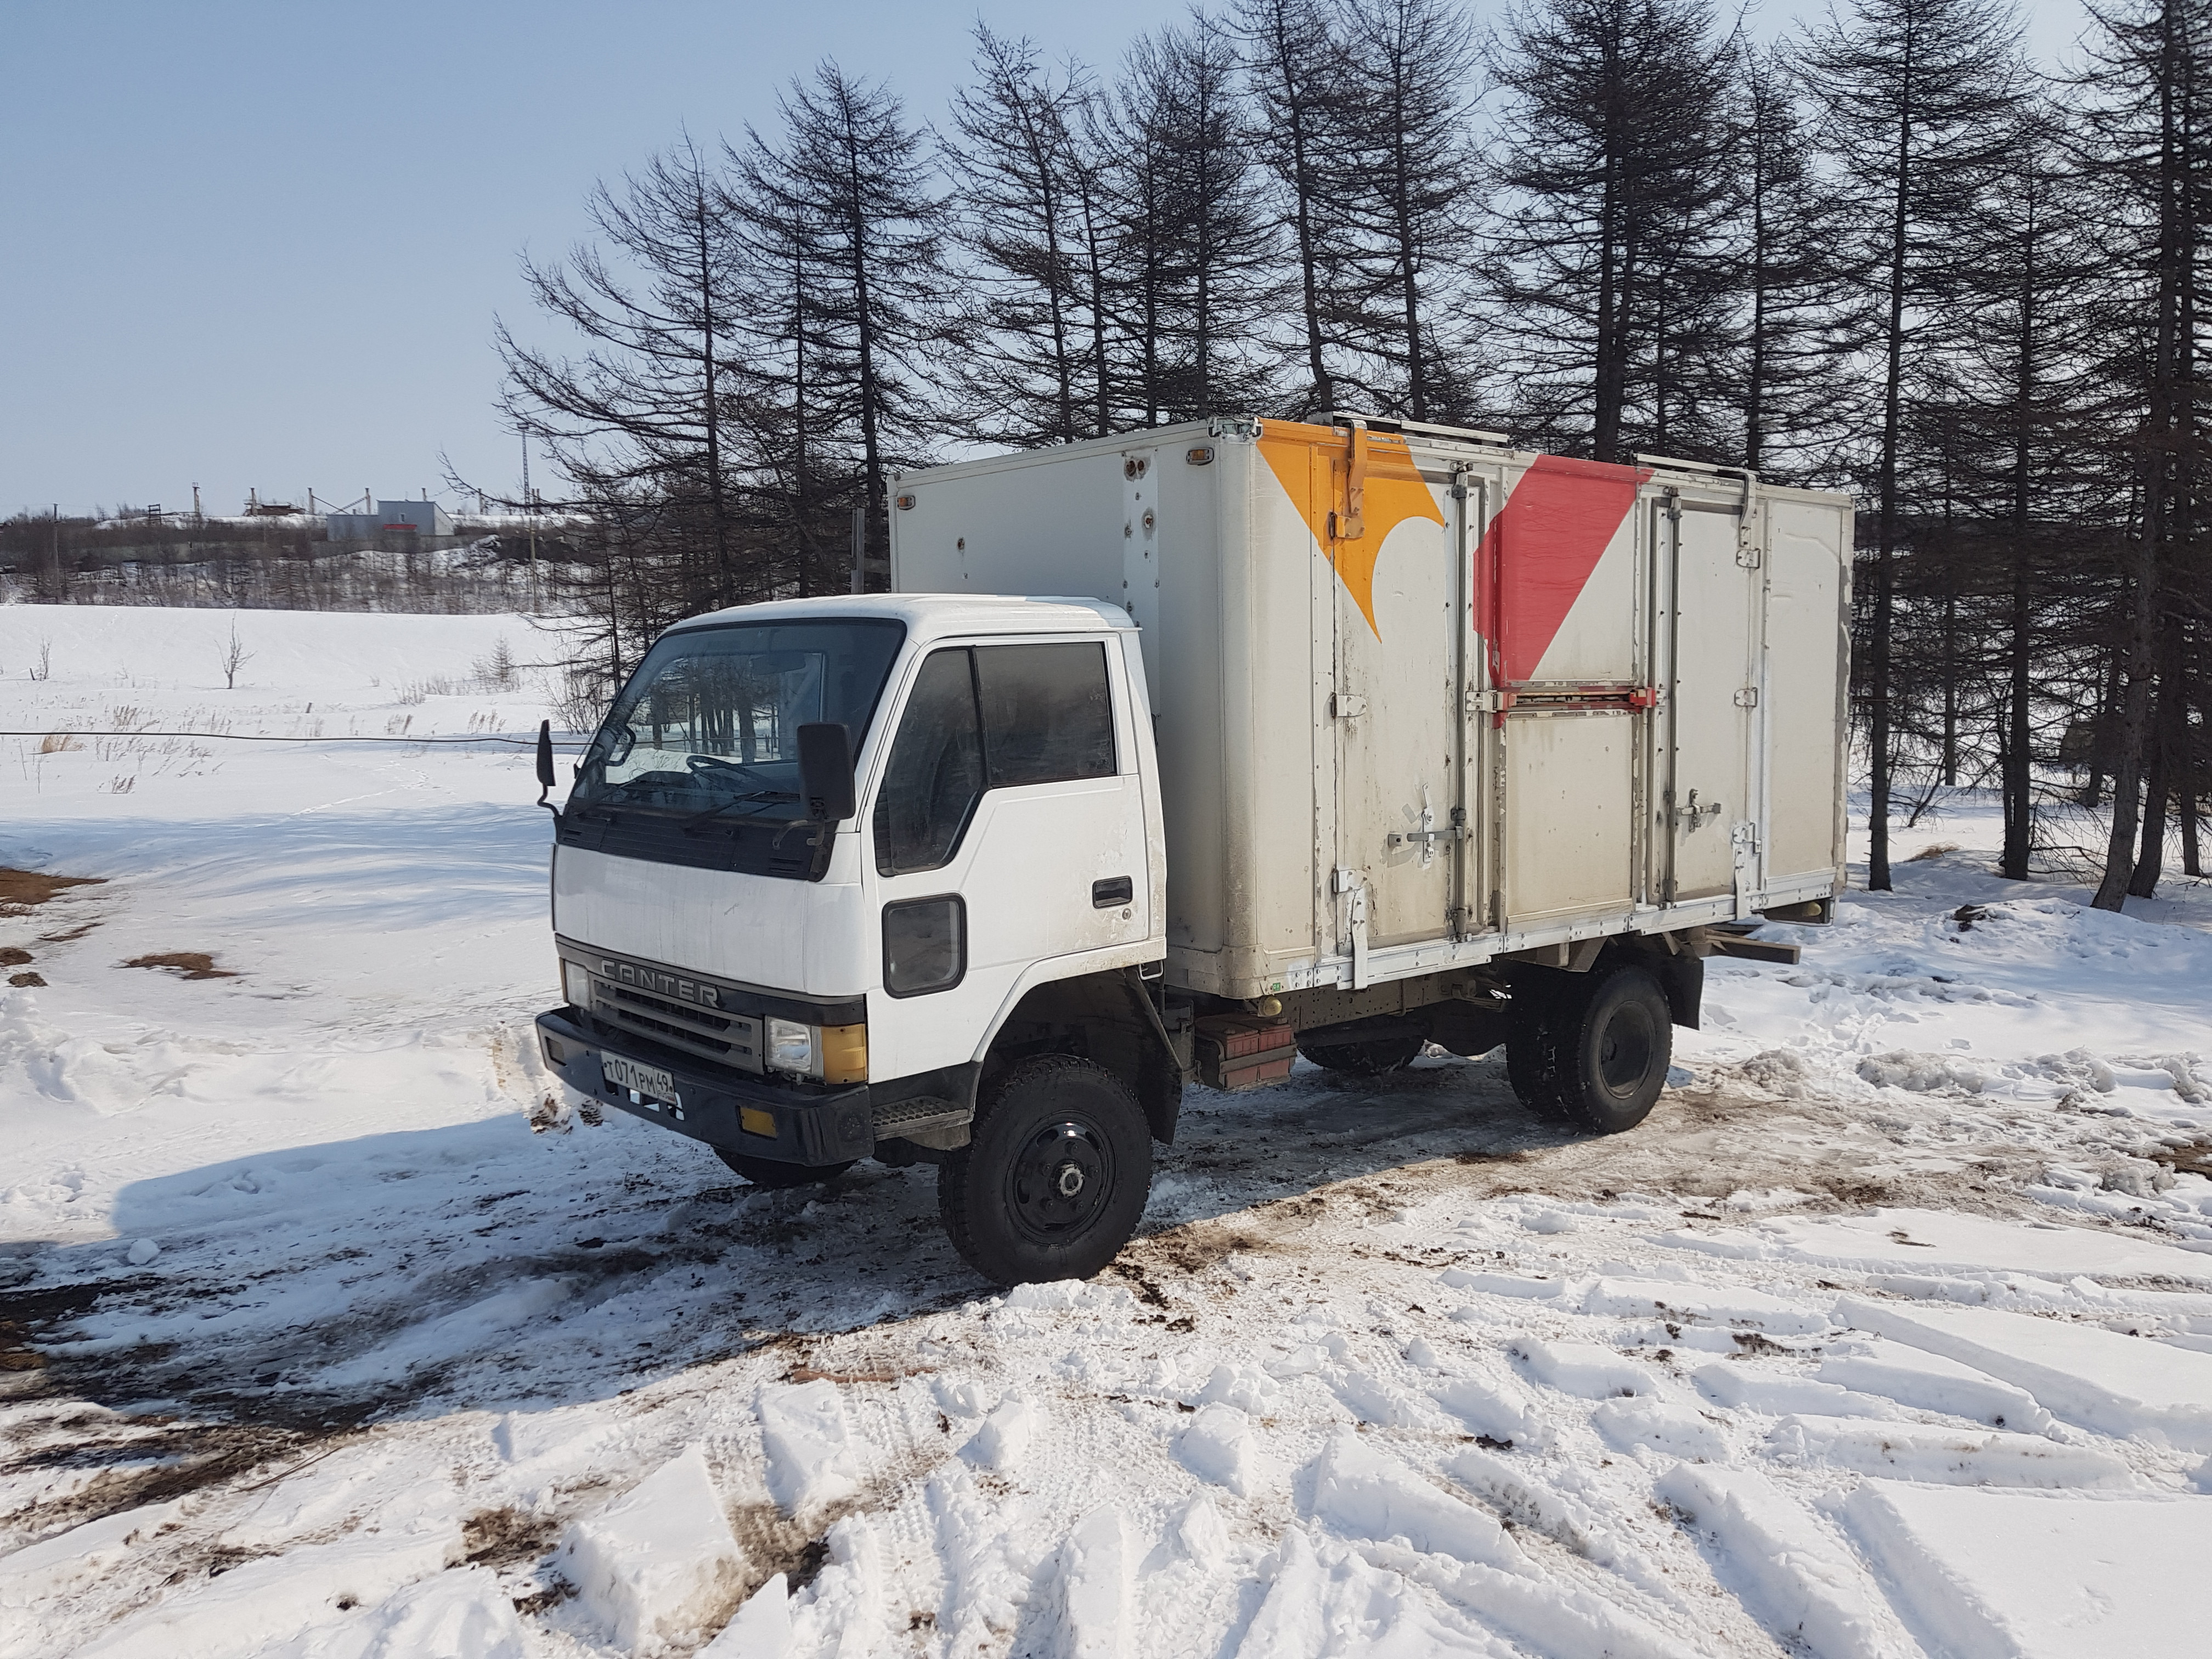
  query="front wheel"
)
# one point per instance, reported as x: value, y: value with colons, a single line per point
x: 775, y: 1172
x: 1054, y: 1174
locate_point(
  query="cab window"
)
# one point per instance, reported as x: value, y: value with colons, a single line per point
x: 988, y: 717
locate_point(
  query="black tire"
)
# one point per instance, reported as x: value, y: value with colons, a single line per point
x: 1054, y: 1176
x: 1532, y: 1084
x: 1602, y: 1053
x: 775, y: 1173
x: 1532, y: 1049
x: 1376, y: 1058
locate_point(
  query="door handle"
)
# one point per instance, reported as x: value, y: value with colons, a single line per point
x: 1689, y: 814
x: 1114, y: 889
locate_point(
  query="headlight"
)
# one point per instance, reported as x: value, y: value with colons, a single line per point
x: 835, y: 1053
x: 790, y: 1046
x: 576, y: 985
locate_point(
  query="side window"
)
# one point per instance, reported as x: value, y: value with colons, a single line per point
x: 936, y: 770
x: 1048, y: 716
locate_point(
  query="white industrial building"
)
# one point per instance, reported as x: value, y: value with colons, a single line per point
x: 416, y: 518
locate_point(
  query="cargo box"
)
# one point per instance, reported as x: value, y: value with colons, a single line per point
x: 1422, y: 700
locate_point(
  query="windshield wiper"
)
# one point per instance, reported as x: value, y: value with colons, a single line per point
x: 697, y: 819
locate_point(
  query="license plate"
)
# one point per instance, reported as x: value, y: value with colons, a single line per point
x: 638, y: 1079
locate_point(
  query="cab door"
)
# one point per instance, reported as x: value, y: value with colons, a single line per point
x: 1007, y: 828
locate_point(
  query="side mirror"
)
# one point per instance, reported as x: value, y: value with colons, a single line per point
x: 825, y: 771
x: 544, y: 761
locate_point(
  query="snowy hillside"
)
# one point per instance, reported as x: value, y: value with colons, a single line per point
x: 328, y: 1329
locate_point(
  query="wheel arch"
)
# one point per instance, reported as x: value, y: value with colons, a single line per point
x: 1108, y: 1015
x: 1681, y: 975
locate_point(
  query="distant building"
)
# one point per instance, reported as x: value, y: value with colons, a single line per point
x: 399, y: 517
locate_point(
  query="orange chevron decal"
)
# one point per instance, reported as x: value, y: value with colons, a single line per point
x: 1352, y: 489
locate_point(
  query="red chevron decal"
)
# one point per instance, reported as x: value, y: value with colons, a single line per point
x: 1538, y: 553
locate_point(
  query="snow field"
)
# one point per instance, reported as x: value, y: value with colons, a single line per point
x: 344, y: 1334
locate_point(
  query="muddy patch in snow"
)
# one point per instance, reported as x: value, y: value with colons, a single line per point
x: 22, y: 891
x: 1714, y: 1141
x: 188, y: 964
x: 94, y: 1463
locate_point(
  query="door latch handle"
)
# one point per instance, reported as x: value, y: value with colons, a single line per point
x: 1115, y: 890
x: 1419, y: 837
x: 1428, y: 835
x: 1689, y: 812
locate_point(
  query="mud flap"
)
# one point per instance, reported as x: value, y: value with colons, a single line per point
x: 1683, y: 979
x: 1166, y: 1063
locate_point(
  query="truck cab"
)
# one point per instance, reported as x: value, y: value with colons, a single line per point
x: 801, y: 972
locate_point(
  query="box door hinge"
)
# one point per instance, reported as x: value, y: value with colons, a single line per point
x: 1354, y: 886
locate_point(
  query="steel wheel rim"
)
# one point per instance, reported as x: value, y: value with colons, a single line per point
x: 1058, y: 1182
x: 1624, y: 1048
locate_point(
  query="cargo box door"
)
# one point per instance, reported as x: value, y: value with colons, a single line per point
x: 1395, y: 712
x: 1807, y: 620
x: 1559, y: 575
x: 1708, y: 818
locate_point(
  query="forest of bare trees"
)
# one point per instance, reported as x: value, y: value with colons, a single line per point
x: 1885, y: 252
x: 130, y: 557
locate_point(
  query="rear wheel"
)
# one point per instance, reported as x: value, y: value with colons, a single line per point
x: 774, y: 1172
x: 1597, y: 1054
x: 1531, y: 1061
x: 1054, y: 1174
x: 1372, y: 1057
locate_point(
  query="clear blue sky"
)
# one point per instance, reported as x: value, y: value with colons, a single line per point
x: 262, y: 245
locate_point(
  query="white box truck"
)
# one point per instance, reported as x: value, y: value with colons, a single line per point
x: 1176, y: 755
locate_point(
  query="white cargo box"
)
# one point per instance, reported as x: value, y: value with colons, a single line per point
x: 1422, y: 700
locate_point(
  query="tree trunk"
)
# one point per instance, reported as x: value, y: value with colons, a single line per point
x: 1885, y: 580
x: 1288, y: 55
x: 2018, y: 758
x: 2185, y: 787
x: 1094, y: 256
x: 2157, y: 441
x: 2166, y: 729
x: 1417, y: 378
x: 2133, y: 738
x: 1608, y: 381
x: 2019, y: 761
x: 711, y: 414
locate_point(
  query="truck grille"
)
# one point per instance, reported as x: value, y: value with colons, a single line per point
x: 726, y: 1039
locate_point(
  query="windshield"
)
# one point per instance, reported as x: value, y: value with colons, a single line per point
x: 707, y: 728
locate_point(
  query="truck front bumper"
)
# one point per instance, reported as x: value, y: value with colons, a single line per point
x: 758, y: 1116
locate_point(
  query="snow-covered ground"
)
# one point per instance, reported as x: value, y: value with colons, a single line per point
x: 328, y: 1329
